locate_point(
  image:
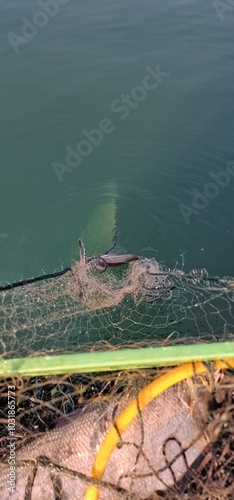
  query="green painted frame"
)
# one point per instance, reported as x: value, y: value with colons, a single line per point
x: 124, y: 359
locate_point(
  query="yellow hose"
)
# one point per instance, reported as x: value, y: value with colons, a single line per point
x: 145, y: 396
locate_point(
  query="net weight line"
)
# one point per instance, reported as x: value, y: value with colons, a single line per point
x: 57, y: 274
x: 28, y: 281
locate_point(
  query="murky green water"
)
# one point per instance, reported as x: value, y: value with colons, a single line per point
x: 155, y: 81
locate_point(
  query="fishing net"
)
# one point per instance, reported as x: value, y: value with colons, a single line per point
x: 143, y: 434
x: 142, y: 304
x: 178, y: 446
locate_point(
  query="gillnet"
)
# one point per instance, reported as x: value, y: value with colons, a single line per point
x: 138, y: 433
x: 143, y: 304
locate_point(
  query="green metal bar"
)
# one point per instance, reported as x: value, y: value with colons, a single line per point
x: 116, y: 360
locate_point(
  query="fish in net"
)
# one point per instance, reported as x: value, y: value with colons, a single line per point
x: 179, y: 444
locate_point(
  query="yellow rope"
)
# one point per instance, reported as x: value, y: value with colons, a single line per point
x: 145, y: 396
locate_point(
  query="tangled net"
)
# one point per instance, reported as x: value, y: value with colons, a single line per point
x: 140, y: 303
x: 141, y: 282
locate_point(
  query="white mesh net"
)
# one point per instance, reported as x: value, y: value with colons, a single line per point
x: 142, y: 304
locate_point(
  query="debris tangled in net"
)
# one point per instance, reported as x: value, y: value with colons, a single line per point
x: 136, y: 304
x: 141, y: 281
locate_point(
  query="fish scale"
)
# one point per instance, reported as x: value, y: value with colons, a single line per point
x: 168, y: 420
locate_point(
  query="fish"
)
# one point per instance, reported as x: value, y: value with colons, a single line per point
x: 118, y: 260
x: 154, y: 452
x: 99, y: 230
x: 106, y: 260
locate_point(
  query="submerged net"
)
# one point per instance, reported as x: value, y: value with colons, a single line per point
x: 140, y: 304
x: 179, y: 446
